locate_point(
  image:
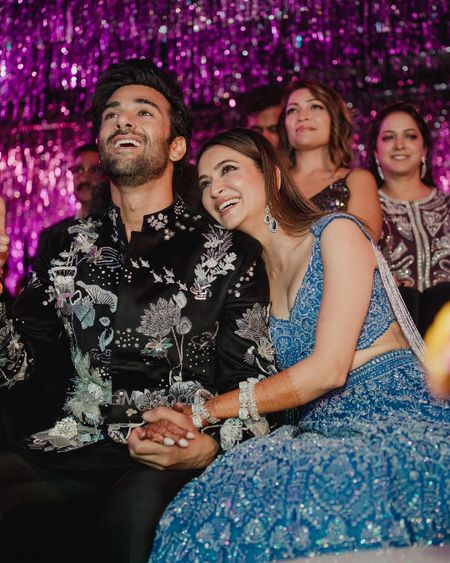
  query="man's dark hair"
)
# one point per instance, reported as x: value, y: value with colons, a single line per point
x: 88, y: 147
x: 145, y: 73
x: 261, y: 98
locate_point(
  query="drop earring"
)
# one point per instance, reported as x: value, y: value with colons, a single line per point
x: 423, y: 171
x: 379, y: 169
x: 269, y: 221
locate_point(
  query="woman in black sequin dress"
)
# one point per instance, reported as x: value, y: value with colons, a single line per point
x: 316, y: 136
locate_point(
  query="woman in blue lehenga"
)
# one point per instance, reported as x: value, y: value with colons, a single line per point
x: 368, y: 463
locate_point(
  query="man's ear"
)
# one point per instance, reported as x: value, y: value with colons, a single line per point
x: 177, y: 149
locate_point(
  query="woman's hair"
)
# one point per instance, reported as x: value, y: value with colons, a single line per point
x: 374, y: 131
x: 341, y: 128
x: 292, y: 211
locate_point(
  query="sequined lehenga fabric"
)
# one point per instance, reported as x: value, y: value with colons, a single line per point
x: 367, y: 466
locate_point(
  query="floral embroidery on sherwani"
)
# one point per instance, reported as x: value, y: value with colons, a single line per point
x: 253, y: 327
x: 146, y: 318
x: 161, y: 320
x: 215, y: 261
x: 13, y: 359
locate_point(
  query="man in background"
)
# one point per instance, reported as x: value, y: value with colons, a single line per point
x: 261, y: 109
x: 87, y: 175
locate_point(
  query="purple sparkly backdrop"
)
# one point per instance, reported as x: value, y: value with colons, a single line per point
x: 52, y: 52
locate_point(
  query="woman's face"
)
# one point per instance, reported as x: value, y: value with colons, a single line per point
x: 400, y: 145
x: 307, y: 121
x: 233, y: 189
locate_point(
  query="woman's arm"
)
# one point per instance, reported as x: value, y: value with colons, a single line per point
x: 349, y: 264
x: 364, y: 201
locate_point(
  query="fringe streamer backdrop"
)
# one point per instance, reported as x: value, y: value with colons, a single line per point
x: 51, y: 53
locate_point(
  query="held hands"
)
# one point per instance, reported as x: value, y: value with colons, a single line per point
x: 163, y: 443
x: 4, y: 238
x: 165, y: 431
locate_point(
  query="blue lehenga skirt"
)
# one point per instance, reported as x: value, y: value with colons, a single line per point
x: 367, y: 466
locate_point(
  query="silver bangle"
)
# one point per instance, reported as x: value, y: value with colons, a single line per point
x: 200, y: 412
x: 197, y: 421
x: 251, y: 399
x: 243, y: 401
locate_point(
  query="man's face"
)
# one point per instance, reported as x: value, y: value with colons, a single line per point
x: 134, y: 133
x: 265, y: 122
x: 87, y: 172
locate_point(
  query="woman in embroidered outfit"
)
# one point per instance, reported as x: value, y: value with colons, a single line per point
x: 415, y: 237
x: 316, y: 137
x: 368, y: 463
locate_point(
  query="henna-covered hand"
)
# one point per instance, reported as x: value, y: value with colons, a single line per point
x: 200, y: 453
x: 169, y: 426
x: 167, y: 433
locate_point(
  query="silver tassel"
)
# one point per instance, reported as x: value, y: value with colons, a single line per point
x: 404, y: 319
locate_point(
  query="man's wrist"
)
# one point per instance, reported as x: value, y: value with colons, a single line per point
x: 211, y: 455
x: 204, y: 456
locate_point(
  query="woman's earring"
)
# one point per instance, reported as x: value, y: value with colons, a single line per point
x: 379, y: 169
x: 423, y: 171
x: 270, y: 221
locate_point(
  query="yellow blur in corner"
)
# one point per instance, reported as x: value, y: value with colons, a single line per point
x: 437, y: 340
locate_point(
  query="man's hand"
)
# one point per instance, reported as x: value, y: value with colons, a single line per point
x: 200, y: 453
x: 4, y: 238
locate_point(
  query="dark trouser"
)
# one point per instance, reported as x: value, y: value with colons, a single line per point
x: 134, y: 509
x: 87, y: 506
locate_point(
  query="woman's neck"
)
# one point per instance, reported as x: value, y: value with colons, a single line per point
x: 406, y: 188
x: 312, y: 161
x: 278, y: 249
